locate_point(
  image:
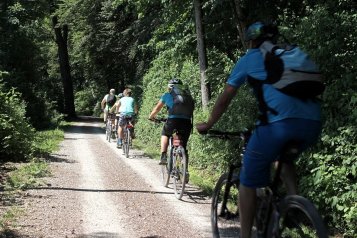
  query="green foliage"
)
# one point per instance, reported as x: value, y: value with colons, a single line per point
x: 42, y: 113
x: 164, y: 67
x: 214, y: 155
x: 47, y: 141
x: 332, y: 172
x: 27, y: 175
x: 24, y: 51
x: 9, y: 217
x: 329, y: 174
x: 16, y: 133
x: 85, y: 102
x: 144, y: 43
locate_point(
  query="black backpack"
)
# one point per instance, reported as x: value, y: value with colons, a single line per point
x: 111, y: 99
x: 183, y: 102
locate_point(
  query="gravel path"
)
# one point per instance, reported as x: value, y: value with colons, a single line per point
x: 96, y: 192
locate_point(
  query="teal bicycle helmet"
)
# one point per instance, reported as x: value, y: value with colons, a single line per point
x: 258, y: 30
x: 254, y: 31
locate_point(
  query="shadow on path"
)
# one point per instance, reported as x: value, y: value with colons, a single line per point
x: 99, y: 190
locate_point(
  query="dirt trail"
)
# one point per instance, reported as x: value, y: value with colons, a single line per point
x: 96, y: 192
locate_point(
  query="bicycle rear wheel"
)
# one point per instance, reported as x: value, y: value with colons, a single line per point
x: 225, y: 212
x: 127, y: 143
x: 179, y: 171
x: 123, y: 143
x: 298, y: 218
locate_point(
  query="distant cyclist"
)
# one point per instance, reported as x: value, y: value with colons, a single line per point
x: 108, y: 102
x: 125, y: 108
x: 180, y: 107
x: 288, y: 119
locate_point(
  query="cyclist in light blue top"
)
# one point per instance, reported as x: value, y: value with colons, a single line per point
x: 293, y: 120
x: 126, y: 108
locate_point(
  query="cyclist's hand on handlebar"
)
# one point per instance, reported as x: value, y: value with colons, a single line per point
x: 203, y: 127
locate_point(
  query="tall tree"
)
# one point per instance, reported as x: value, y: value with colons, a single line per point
x: 238, y: 12
x: 61, y: 40
x: 202, y: 56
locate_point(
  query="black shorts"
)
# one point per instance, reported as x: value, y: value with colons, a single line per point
x: 183, y: 127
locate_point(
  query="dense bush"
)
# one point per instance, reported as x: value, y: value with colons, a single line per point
x: 85, y: 102
x: 241, y: 114
x: 42, y: 113
x: 328, y: 174
x: 16, y: 133
x: 155, y: 81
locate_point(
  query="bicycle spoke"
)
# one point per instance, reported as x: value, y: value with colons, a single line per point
x: 179, y: 170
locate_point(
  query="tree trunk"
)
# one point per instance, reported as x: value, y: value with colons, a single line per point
x: 241, y: 23
x: 61, y: 40
x: 205, y: 87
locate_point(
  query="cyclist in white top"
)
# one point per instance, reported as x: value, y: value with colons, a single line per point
x: 125, y: 108
x: 107, y: 102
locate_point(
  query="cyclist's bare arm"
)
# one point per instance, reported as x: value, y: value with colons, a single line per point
x: 156, y: 110
x: 136, y: 109
x: 115, y: 107
x: 103, y: 103
x: 219, y: 108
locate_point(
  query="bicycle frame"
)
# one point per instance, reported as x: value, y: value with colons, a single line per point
x: 232, y: 168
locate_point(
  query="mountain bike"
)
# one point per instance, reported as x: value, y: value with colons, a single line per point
x: 177, y: 164
x: 110, y: 128
x: 277, y: 215
x: 127, y: 131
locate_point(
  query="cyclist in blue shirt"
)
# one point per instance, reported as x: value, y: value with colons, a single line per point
x: 294, y: 120
x: 126, y: 108
x: 179, y: 120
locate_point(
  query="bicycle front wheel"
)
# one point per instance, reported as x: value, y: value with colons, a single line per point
x: 298, y: 218
x: 107, y: 131
x: 179, y: 171
x: 225, y: 209
x: 166, y: 170
x: 110, y: 131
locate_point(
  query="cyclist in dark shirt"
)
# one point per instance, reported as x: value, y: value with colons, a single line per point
x: 180, y: 122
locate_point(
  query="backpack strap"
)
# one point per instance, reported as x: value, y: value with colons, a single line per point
x: 266, y: 47
x: 257, y: 86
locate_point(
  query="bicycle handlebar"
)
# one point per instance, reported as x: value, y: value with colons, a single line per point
x: 244, y: 135
x: 158, y: 120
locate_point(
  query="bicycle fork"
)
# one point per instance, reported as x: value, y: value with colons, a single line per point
x: 226, y: 190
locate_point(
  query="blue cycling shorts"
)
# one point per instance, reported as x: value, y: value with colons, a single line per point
x: 266, y: 144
